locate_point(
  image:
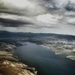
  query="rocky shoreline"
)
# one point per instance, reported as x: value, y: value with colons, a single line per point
x: 10, y: 65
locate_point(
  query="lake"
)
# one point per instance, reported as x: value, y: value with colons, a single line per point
x: 44, y: 60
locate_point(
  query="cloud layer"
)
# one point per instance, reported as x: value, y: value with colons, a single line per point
x: 47, y: 16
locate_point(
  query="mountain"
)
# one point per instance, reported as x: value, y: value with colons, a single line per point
x: 6, y: 34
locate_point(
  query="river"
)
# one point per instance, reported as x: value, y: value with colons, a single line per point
x: 44, y: 60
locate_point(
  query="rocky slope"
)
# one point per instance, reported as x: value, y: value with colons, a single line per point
x: 9, y: 65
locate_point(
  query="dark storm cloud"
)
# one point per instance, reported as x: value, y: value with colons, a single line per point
x: 70, y: 6
x: 13, y: 23
x: 14, y: 12
x: 33, y: 9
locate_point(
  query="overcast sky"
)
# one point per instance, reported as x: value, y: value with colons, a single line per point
x: 38, y: 16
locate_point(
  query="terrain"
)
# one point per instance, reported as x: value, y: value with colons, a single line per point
x: 58, y: 43
x: 10, y: 64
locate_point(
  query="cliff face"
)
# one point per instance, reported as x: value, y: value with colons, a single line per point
x: 9, y: 65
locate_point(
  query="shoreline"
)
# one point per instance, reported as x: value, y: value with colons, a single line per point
x: 10, y: 64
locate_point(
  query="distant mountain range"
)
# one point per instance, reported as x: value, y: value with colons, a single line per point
x: 19, y: 35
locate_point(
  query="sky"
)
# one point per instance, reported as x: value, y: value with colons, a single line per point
x: 38, y: 16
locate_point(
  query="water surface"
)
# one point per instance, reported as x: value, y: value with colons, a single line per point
x: 44, y: 60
